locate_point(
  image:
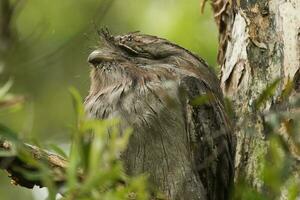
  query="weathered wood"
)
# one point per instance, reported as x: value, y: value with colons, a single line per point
x: 259, y: 43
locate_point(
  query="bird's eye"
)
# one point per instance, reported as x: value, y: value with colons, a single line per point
x: 129, y: 50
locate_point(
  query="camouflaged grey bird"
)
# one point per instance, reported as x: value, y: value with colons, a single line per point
x: 182, y: 136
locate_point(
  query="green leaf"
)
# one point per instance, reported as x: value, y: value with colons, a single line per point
x: 288, y: 89
x: 77, y: 103
x: 8, y: 153
x: 266, y: 94
x: 8, y: 133
x: 202, y: 99
x: 5, y: 88
x: 58, y: 150
x: 73, y: 165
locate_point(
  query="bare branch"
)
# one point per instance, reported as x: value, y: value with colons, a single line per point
x: 17, y: 167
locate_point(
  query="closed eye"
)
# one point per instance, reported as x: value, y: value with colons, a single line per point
x: 128, y: 50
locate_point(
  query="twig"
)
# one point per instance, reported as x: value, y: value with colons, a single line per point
x: 17, y: 166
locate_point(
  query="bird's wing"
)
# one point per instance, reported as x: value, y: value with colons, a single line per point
x: 210, y: 136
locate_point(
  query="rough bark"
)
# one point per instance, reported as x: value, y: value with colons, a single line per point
x: 259, y: 43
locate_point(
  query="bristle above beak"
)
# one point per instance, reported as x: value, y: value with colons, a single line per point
x: 105, y: 35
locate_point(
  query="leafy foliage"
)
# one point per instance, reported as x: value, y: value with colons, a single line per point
x: 94, y: 153
x: 8, y: 101
x: 94, y: 150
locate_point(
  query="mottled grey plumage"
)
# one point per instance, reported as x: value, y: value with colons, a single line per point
x: 150, y: 83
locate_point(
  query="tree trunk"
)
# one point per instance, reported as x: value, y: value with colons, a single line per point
x: 259, y: 43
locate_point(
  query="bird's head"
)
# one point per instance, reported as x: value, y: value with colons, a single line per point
x: 140, y: 58
x: 132, y: 45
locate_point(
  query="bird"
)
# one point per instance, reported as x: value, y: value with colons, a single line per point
x: 182, y: 135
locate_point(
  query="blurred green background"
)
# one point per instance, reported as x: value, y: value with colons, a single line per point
x: 52, y: 39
